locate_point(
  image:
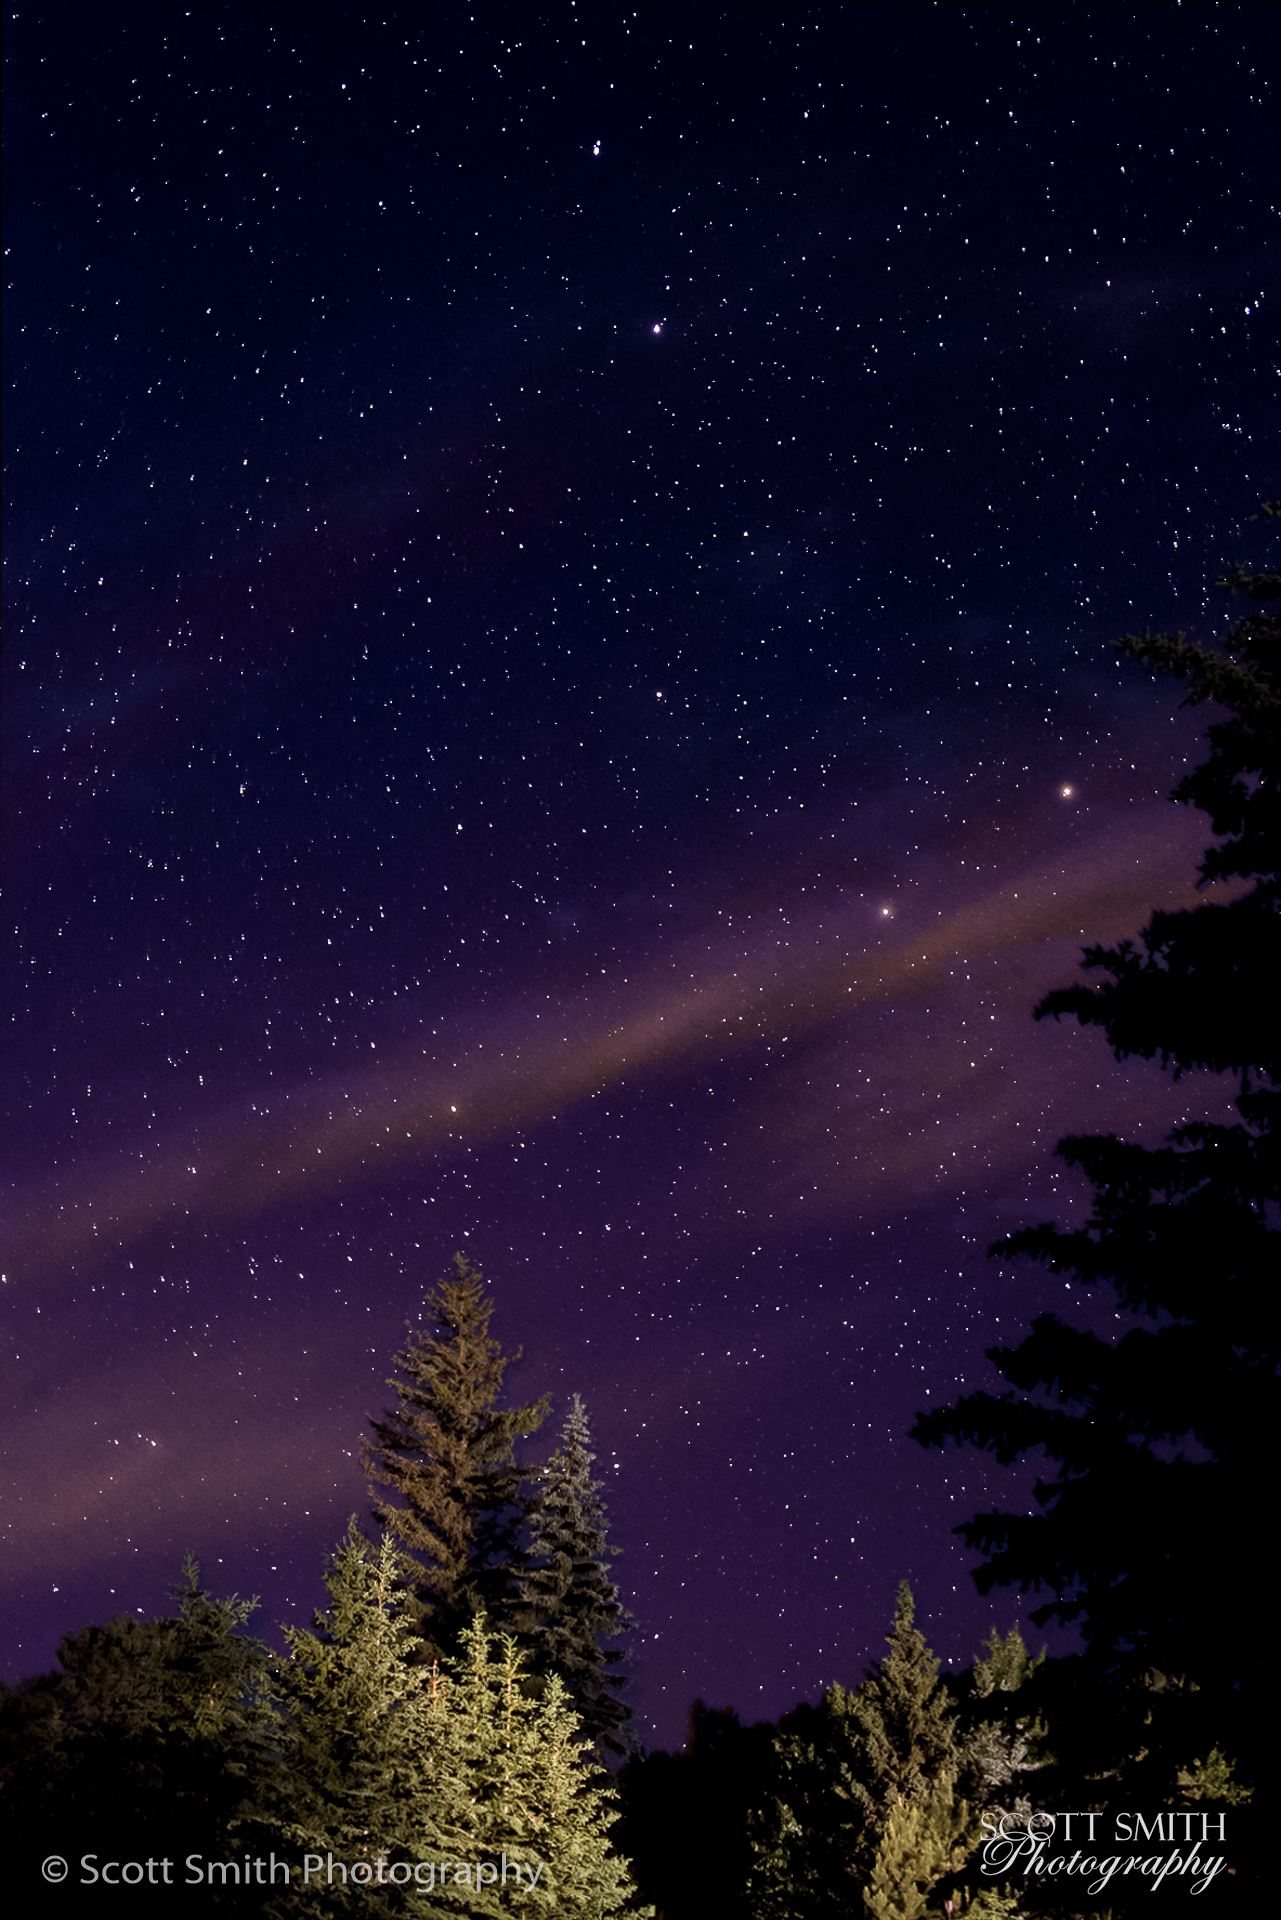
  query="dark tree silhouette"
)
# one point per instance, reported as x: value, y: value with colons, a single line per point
x: 686, y: 1816
x: 574, y: 1620
x: 151, y: 1737
x: 1147, y: 1534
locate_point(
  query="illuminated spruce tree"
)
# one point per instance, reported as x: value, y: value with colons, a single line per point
x: 515, y: 1784
x: 865, y: 1799
x: 355, y: 1698
x: 442, y: 1462
x: 456, y: 1764
x: 1001, y: 1738
x: 918, y: 1847
x: 903, y: 1722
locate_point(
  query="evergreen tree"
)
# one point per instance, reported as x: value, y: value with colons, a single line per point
x: 572, y: 1815
x: 882, y: 1756
x: 809, y: 1835
x: 444, y: 1459
x: 918, y: 1847
x: 1001, y: 1737
x: 902, y: 1717
x: 153, y: 1737
x: 1147, y: 1530
x: 356, y: 1701
x: 572, y: 1616
x: 514, y: 1786
x: 447, y: 1780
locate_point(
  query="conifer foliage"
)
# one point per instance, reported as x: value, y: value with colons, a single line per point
x: 354, y: 1711
x: 877, y: 1794
x: 866, y: 1809
x: 477, y: 1798
x: 442, y: 1462
x: 467, y: 1793
x: 918, y: 1847
x: 147, y: 1729
x: 901, y: 1719
x: 515, y: 1782
x: 1147, y: 1531
x: 573, y: 1618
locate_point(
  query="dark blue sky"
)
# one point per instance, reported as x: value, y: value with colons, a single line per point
x: 558, y: 701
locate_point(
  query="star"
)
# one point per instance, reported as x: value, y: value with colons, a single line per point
x: 430, y: 574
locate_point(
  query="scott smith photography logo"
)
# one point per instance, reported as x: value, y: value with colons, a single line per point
x: 1162, y: 1846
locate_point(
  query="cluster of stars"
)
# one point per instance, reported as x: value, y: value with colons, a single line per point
x: 480, y: 780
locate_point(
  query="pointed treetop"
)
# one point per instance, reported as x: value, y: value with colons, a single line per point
x: 442, y: 1463
x: 572, y: 1614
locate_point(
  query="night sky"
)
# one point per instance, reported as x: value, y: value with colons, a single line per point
x: 559, y: 702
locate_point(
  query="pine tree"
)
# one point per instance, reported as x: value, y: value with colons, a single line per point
x: 572, y: 1814
x: 809, y: 1835
x: 902, y: 1720
x: 918, y: 1847
x: 1000, y: 1738
x: 572, y: 1617
x: 356, y: 1700
x: 514, y: 1786
x: 154, y: 1736
x: 809, y: 1824
x: 451, y: 1778
x: 880, y: 1756
x: 1147, y: 1531
x: 444, y: 1459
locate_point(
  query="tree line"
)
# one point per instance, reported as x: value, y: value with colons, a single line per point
x: 462, y: 1695
x: 456, y: 1700
x: 1149, y: 1535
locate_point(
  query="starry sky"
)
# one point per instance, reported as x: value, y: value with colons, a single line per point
x: 559, y: 702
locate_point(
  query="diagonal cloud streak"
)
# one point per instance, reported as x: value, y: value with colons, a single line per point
x: 524, y: 1073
